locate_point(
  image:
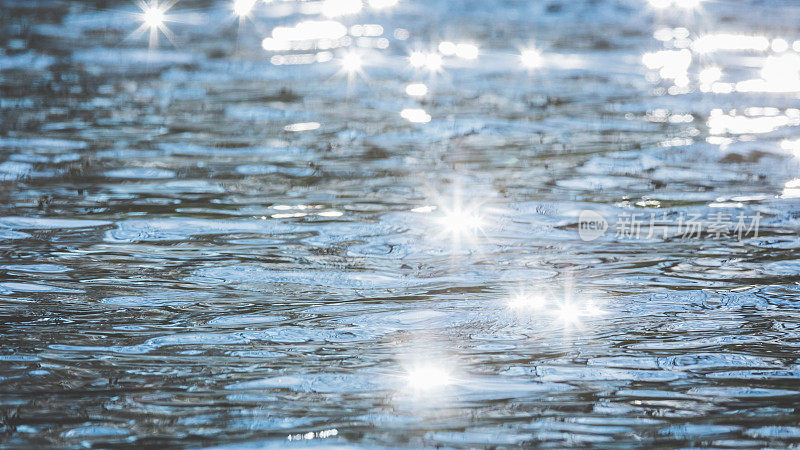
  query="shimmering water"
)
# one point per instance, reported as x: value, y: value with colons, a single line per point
x: 230, y: 240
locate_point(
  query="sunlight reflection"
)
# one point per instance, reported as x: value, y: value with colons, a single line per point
x: 791, y: 189
x: 779, y: 45
x: 416, y: 59
x: 447, y: 48
x: 758, y: 121
x: 460, y: 221
x: 430, y: 61
x: 791, y: 146
x: 351, y: 63
x: 530, y: 58
x: 710, y: 75
x: 523, y: 301
x: 660, y: 4
x: 683, y: 4
x: 730, y: 42
x: 467, y: 51
x: 243, y: 8
x: 307, y: 35
x: 415, y: 115
x: 688, y: 4
x: 382, y: 4
x: 310, y: 30
x: 433, y: 62
x: 337, y: 8
x: 671, y: 64
x: 416, y: 90
x: 782, y: 73
x: 154, y: 18
x: 544, y: 306
x: 569, y: 313
x: 427, y: 377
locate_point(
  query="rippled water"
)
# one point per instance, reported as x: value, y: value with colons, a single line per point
x: 206, y: 243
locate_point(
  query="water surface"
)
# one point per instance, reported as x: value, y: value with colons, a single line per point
x: 231, y: 241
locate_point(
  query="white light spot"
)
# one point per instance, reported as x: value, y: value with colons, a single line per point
x: 427, y: 378
x: 333, y: 213
x: 310, y: 30
x: 779, y: 45
x: 447, y: 48
x: 430, y: 61
x: 274, y: 45
x: 415, y: 115
x: 526, y: 302
x: 303, y: 126
x: 467, y: 51
x: 337, y: 8
x: 672, y: 64
x: 416, y: 90
x: 416, y: 59
x: 382, y: 4
x: 433, y: 62
x: 782, y: 72
x: 660, y: 4
x: 687, y: 4
x: 710, y: 75
x: 569, y: 313
x: 153, y: 16
x: 401, y: 34
x: 243, y: 8
x: 530, y: 58
x: 730, y: 42
x: 460, y: 221
x: 351, y: 62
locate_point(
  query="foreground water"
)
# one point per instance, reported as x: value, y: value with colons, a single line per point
x: 208, y: 244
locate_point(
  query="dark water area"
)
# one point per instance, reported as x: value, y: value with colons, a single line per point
x: 399, y: 224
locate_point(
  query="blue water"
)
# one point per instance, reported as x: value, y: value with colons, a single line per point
x: 207, y: 243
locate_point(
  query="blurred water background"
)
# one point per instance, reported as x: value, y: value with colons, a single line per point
x: 350, y: 222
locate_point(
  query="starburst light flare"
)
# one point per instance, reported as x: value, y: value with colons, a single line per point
x: 154, y: 18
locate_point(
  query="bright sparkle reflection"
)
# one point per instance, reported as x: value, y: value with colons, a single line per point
x: 416, y: 59
x: 428, y: 377
x: 351, y: 63
x: 152, y: 16
x: 730, y: 42
x: 779, y: 45
x: 433, y: 62
x: 791, y: 189
x: 461, y: 221
x: 530, y: 58
x: 660, y: 4
x: 447, y: 48
x: 337, y: 8
x: 710, y: 75
x: 416, y: 90
x: 467, y: 51
x: 310, y: 30
x: 430, y: 61
x: 526, y: 302
x: 569, y: 313
x: 684, y: 4
x: 382, y: 4
x: 782, y: 72
x: 243, y: 8
x: 415, y: 115
x: 688, y: 4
